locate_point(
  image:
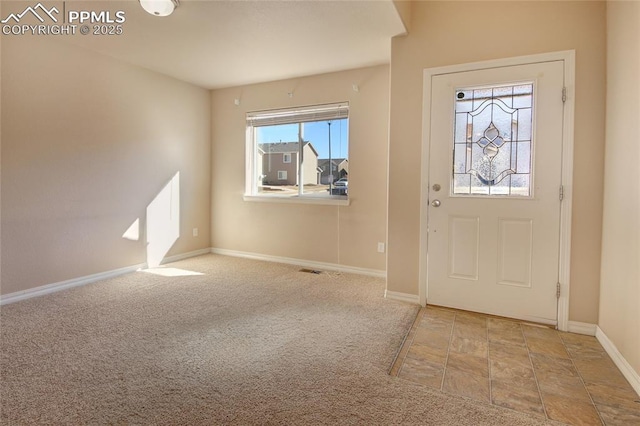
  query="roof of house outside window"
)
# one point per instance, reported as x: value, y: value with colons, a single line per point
x: 324, y: 161
x: 283, y: 147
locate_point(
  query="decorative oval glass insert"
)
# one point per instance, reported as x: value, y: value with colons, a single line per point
x: 493, y: 141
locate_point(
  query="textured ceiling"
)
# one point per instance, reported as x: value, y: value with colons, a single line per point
x: 217, y: 44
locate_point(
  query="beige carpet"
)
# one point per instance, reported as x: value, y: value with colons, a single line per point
x: 245, y: 343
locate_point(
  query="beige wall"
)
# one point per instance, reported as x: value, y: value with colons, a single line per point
x: 87, y: 144
x: 446, y: 33
x: 403, y: 7
x: 620, y: 279
x: 345, y: 235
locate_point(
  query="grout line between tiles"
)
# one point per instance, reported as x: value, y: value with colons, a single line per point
x: 583, y: 383
x: 446, y: 360
x: 535, y: 376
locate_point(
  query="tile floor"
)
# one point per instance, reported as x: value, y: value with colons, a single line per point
x: 534, y: 369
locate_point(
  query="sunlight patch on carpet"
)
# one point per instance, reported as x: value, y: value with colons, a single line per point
x: 170, y: 272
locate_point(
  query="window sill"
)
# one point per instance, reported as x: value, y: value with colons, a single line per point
x: 297, y: 200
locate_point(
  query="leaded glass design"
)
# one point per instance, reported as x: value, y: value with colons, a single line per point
x: 493, y: 141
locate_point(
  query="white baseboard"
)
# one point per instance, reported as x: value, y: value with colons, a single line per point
x: 88, y: 279
x: 629, y: 373
x: 582, y: 328
x: 403, y: 297
x: 301, y: 262
x: 63, y: 285
x: 175, y: 258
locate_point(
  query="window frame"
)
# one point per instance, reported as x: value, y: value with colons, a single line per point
x: 293, y: 115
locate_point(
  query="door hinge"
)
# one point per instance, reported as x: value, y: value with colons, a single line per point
x: 558, y: 290
x: 564, y: 94
x: 561, y: 192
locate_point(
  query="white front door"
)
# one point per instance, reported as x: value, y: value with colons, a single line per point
x: 494, y: 190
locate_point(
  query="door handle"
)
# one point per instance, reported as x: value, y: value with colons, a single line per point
x: 435, y: 203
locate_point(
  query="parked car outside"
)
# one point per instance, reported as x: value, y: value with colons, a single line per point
x: 340, y: 187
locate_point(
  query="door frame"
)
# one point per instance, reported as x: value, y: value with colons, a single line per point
x: 564, y: 270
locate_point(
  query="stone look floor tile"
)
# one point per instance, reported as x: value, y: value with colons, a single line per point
x: 549, y: 368
x: 521, y: 383
x: 578, y: 352
x: 547, y: 347
x: 507, y: 370
x: 464, y: 384
x: 604, y: 363
x: 439, y: 313
x: 471, y: 319
x: 423, y: 372
x: 619, y: 416
x: 583, y: 347
x: 436, y: 324
x: 558, y: 376
x: 428, y: 353
x: 573, y: 388
x: 507, y: 337
x: 535, y: 370
x: 520, y: 395
x: 502, y: 324
x: 469, y: 346
x: 469, y: 331
x: 601, y: 371
x: 435, y: 339
x: 544, y: 333
x: 512, y: 354
x: 571, y: 411
x: 614, y: 396
x: 580, y: 340
x: 469, y: 364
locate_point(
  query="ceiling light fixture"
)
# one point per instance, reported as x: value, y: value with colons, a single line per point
x: 159, y: 7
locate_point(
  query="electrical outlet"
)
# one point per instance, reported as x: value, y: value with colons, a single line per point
x: 195, y: 232
x: 380, y: 247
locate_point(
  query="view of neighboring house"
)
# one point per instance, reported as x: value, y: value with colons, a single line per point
x: 280, y: 163
x: 339, y: 169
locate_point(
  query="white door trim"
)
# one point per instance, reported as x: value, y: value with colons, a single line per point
x: 568, y: 57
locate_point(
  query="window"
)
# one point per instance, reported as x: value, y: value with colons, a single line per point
x: 493, y: 141
x: 299, y: 153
